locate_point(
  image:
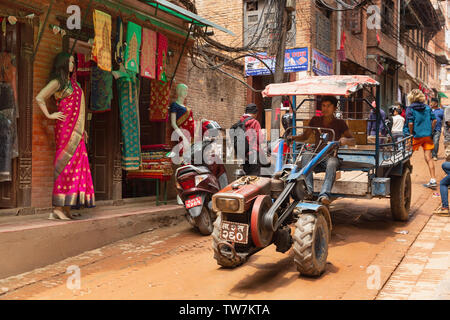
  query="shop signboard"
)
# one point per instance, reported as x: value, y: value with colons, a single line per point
x: 295, y: 60
x: 321, y: 64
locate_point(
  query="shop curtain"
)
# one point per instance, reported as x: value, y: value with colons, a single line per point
x: 148, y: 54
x: 127, y: 89
x: 159, y: 100
x: 134, y: 37
x: 102, y: 42
x: 101, y: 90
x: 161, y: 73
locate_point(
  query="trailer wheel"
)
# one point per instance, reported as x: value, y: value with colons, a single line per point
x: 401, y: 196
x: 311, y: 244
x: 223, y: 254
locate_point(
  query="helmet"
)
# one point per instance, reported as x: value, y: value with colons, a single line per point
x: 393, y: 108
x: 286, y: 120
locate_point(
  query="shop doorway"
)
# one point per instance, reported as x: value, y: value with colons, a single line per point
x: 101, y: 128
x: 151, y: 133
x: 9, y: 51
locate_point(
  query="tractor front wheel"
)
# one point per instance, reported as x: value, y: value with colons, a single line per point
x: 311, y: 244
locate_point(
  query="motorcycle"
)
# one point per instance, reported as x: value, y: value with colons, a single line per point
x: 196, y: 184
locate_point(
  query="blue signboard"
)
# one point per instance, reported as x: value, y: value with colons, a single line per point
x: 321, y: 64
x: 295, y: 60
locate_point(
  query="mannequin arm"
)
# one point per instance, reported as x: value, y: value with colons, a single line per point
x: 50, y: 89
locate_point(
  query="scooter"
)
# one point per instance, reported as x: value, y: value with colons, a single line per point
x: 196, y: 184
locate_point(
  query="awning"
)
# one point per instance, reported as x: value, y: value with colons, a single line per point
x: 338, y: 85
x: 184, y: 14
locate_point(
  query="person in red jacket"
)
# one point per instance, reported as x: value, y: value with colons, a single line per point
x: 253, y: 132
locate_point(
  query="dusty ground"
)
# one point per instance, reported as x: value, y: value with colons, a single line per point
x: 177, y: 263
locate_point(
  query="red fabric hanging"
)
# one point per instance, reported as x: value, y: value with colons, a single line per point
x: 161, y: 71
x: 159, y: 101
x: 148, y: 53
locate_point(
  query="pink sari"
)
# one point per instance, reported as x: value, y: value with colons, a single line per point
x: 73, y: 181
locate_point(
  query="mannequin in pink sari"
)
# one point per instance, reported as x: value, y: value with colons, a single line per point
x: 72, y: 176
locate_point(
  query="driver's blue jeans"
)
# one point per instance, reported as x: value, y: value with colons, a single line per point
x: 329, y: 166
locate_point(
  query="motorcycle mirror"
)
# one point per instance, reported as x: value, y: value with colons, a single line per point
x: 325, y: 137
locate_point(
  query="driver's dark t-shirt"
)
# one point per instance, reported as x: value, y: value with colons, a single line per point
x: 339, y: 126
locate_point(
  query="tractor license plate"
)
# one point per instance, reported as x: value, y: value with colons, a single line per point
x: 193, y: 202
x: 234, y: 232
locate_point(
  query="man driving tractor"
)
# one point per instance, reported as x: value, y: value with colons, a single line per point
x: 331, y: 163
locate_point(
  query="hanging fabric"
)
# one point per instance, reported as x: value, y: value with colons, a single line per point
x: 161, y: 73
x: 101, y: 50
x: 127, y: 84
x: 134, y: 37
x: 83, y: 65
x: 159, y: 101
x: 101, y: 90
x: 8, y: 71
x: 148, y: 54
x: 119, y: 41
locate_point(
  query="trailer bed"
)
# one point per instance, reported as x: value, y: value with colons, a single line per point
x: 353, y: 183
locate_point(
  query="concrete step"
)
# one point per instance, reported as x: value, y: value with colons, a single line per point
x: 33, y: 241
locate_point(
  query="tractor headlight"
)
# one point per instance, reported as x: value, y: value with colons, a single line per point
x: 225, y: 203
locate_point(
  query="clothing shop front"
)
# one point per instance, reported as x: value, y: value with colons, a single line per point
x: 128, y: 94
x: 129, y: 58
x: 16, y: 44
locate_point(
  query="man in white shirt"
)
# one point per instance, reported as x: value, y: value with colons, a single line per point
x: 397, y: 124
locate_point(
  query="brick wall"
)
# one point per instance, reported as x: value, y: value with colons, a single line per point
x: 226, y: 13
x: 212, y: 94
x: 215, y: 96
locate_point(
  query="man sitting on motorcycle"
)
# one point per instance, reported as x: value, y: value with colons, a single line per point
x: 331, y: 163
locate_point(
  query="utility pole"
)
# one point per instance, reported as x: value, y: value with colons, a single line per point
x: 280, y: 45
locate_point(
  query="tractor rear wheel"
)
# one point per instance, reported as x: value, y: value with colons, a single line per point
x: 311, y: 244
x: 401, y: 196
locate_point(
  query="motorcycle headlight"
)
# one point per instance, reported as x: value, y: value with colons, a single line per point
x: 223, y: 203
x: 200, y: 178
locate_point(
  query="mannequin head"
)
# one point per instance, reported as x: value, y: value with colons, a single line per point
x: 63, y: 66
x: 182, y: 90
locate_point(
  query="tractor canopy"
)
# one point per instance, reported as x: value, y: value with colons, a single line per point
x: 338, y: 85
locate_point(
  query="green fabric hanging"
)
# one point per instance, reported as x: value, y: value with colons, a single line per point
x: 134, y: 34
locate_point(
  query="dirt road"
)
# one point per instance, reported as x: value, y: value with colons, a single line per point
x: 177, y: 263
